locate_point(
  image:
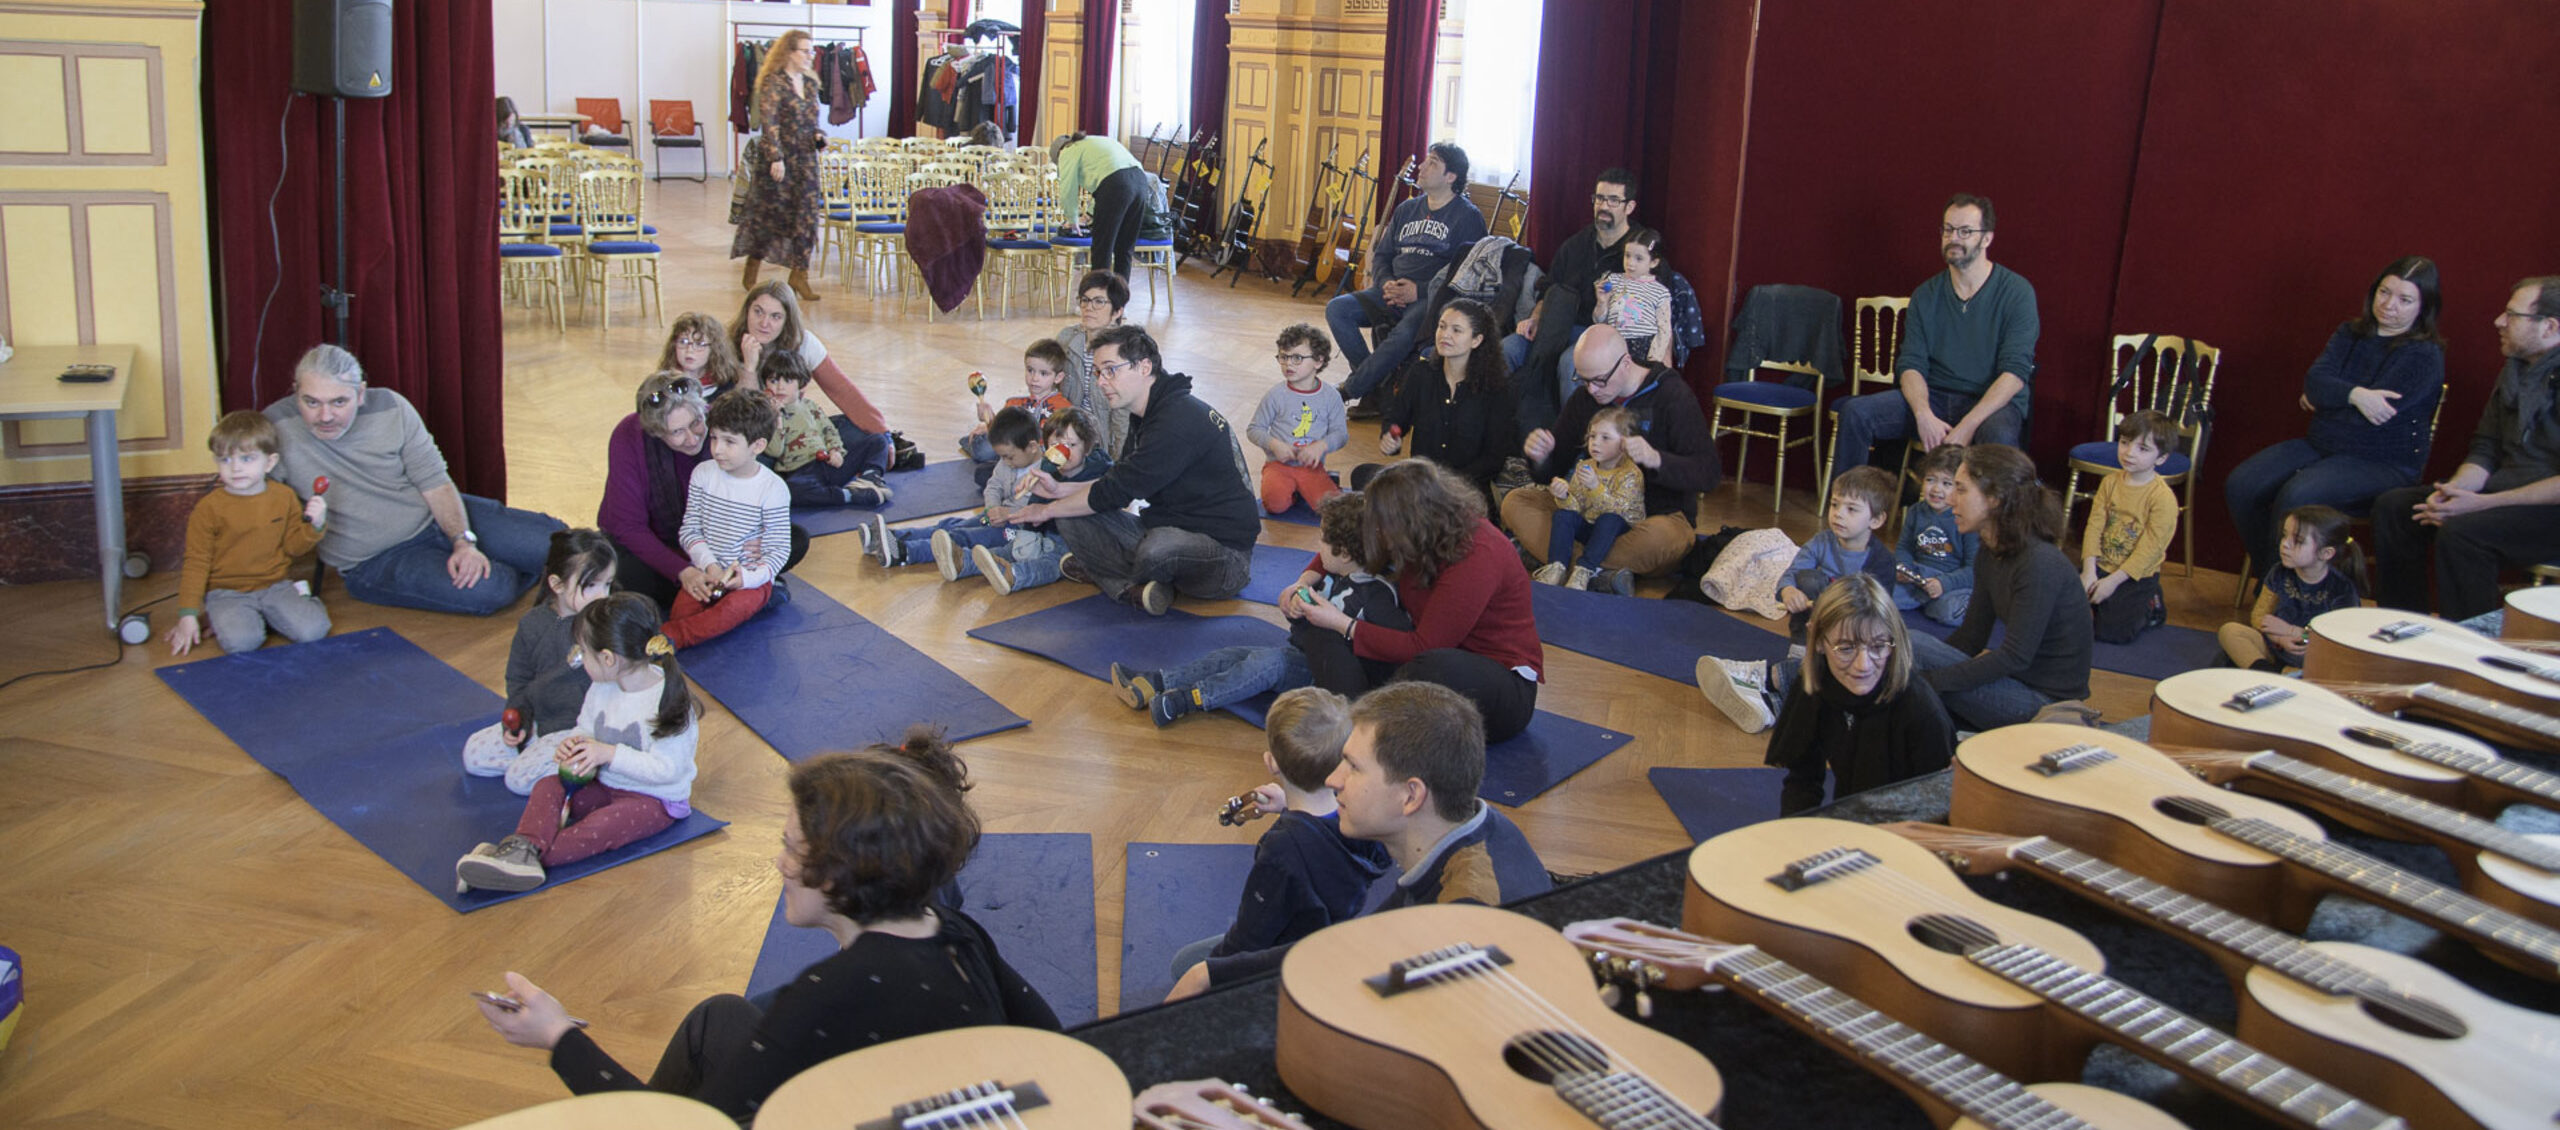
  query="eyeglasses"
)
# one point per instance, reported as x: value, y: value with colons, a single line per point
x: 1607, y: 198
x: 1878, y: 651
x: 1293, y: 358
x: 1093, y: 300
x: 1959, y: 233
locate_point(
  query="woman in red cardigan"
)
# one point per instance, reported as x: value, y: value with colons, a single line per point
x: 1464, y: 586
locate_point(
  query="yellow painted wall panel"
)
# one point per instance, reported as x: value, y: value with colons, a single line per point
x: 41, y: 306
x: 37, y: 121
x: 115, y: 105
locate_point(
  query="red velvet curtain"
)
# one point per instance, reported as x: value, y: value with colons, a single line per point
x: 1209, y: 66
x: 422, y: 212
x: 903, y: 76
x: 1035, y: 28
x: 1404, y: 118
x: 1093, y: 86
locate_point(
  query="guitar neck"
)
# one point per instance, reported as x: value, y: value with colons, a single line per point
x: 2393, y: 887
x: 2413, y: 812
x: 2181, y: 1041
x: 1954, y: 1078
x: 2464, y: 706
x: 2255, y: 942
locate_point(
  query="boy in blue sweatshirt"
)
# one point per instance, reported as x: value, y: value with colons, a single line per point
x: 1935, y: 573
x: 1862, y: 499
x: 1306, y: 875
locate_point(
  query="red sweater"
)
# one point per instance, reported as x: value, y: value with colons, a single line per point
x: 1479, y: 603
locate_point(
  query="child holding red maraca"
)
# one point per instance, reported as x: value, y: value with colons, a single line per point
x: 544, y: 687
x: 635, y: 737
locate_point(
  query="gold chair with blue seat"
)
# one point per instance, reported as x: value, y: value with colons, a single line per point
x: 2163, y: 373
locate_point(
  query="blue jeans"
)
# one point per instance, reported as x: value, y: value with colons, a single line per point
x: 412, y: 573
x: 1881, y: 417
x: 1597, y: 535
x: 1347, y: 315
x: 1233, y: 674
x: 2001, y: 702
x: 2267, y: 485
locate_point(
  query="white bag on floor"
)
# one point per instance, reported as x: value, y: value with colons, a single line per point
x: 1746, y: 575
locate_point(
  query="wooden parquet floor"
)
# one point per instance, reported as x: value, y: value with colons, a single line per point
x: 205, y: 950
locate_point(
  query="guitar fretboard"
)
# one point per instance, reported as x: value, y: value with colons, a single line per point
x: 2181, y: 1040
x: 2393, y: 804
x: 2464, y: 706
x: 1975, y: 1091
x: 2394, y: 887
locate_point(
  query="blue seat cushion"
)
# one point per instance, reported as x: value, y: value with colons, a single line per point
x: 1764, y: 394
x: 528, y: 251
x: 622, y: 247
x: 1018, y: 244
x: 2103, y: 454
x: 881, y: 229
x: 568, y: 229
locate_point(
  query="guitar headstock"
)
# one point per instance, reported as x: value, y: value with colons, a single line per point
x: 1678, y: 959
x: 1964, y: 850
x: 1208, y: 1104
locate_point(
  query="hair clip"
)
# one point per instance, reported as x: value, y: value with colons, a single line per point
x: 658, y: 647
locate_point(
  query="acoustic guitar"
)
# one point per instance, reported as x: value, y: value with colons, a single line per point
x: 1881, y: 909
x: 2236, y: 709
x: 990, y: 1075
x: 2129, y: 804
x: 1952, y: 1088
x: 1209, y: 1104
x: 2514, y: 691
x: 2533, y: 615
x: 1466, y: 1016
x: 2500, y: 865
x: 2403, y: 1034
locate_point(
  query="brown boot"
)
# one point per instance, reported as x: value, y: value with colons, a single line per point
x: 800, y: 286
x: 754, y: 265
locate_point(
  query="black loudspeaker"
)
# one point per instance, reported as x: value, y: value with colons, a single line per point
x: 342, y: 47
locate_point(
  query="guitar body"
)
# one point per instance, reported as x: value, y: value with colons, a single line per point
x: 1084, y: 1088
x: 1853, y: 932
x: 1433, y: 1054
x: 2194, y: 708
x: 2532, y: 614
x: 2503, y: 1072
x: 2109, y: 811
x: 2344, y: 649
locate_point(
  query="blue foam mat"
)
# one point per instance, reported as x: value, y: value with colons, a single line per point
x: 1033, y: 892
x: 1711, y: 802
x: 814, y: 676
x: 2155, y: 654
x: 1660, y: 637
x: 1177, y: 895
x: 946, y: 487
x: 369, y: 728
x: 1089, y: 635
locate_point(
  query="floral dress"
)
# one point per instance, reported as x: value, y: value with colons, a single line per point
x: 781, y: 222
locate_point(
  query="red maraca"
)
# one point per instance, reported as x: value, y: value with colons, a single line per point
x: 511, y: 721
x: 319, y: 486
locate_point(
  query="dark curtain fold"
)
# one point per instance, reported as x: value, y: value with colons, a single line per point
x: 1404, y: 120
x: 1209, y: 66
x: 1093, y: 84
x: 903, y: 78
x: 422, y: 212
x: 1035, y: 28
x: 1602, y: 65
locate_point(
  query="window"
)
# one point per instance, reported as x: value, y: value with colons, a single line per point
x: 1155, y: 66
x: 1497, y: 86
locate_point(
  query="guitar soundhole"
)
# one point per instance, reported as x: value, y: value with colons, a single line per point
x: 2415, y: 1017
x: 1544, y: 1056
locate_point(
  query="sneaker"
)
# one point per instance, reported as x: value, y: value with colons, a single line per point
x: 997, y: 570
x: 946, y: 555
x: 1136, y: 688
x: 1155, y: 597
x: 880, y: 543
x: 1172, y: 703
x: 1073, y: 570
x: 1580, y: 579
x: 1739, y: 689
x: 511, y: 864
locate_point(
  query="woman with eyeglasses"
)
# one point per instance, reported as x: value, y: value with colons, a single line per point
x: 698, y: 348
x: 1455, y: 407
x: 1857, y: 715
x: 1101, y: 297
x: 648, y: 462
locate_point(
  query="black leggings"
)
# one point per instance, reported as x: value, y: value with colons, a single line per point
x: 1119, y: 208
x: 1506, y: 700
x: 630, y: 574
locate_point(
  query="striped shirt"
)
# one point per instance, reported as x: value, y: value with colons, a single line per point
x: 723, y: 513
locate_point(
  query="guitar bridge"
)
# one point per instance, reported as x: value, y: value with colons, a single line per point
x: 2256, y: 697
x: 1419, y: 970
x: 1822, y: 866
x: 2399, y: 630
x: 978, y: 1104
x: 2072, y: 758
